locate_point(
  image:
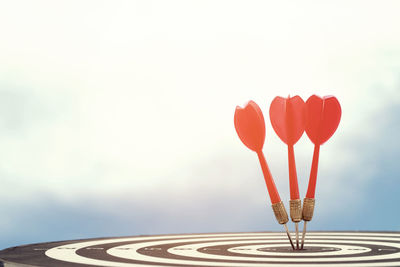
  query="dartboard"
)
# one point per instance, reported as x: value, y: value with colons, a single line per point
x: 218, y: 249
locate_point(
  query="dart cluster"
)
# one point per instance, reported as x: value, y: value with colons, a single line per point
x: 290, y: 118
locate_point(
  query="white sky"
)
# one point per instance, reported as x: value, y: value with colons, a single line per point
x: 107, y: 97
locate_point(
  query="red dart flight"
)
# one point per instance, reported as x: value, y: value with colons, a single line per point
x: 250, y: 126
x: 322, y: 119
x: 287, y: 119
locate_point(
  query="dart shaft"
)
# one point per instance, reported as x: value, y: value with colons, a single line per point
x: 273, y: 192
x: 294, y: 187
x: 313, y: 174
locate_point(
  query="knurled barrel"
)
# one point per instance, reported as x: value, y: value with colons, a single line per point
x: 295, y: 210
x: 308, y: 208
x: 280, y: 212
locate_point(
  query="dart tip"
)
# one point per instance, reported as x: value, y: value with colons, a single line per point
x: 304, y: 235
x: 288, y: 235
x: 296, y: 225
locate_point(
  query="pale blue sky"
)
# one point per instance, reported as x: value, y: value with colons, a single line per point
x: 116, y: 117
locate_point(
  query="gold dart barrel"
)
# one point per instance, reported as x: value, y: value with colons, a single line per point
x: 308, y: 208
x: 280, y: 212
x: 295, y: 210
x: 282, y: 218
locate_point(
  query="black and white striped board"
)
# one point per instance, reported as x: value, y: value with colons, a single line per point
x: 220, y: 250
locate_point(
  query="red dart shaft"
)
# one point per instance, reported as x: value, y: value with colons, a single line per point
x: 273, y: 193
x: 313, y: 174
x: 294, y: 187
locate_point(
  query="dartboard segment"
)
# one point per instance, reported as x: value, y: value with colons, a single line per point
x: 218, y: 249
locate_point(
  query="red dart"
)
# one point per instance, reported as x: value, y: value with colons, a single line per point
x: 322, y: 119
x: 250, y: 126
x: 287, y: 119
